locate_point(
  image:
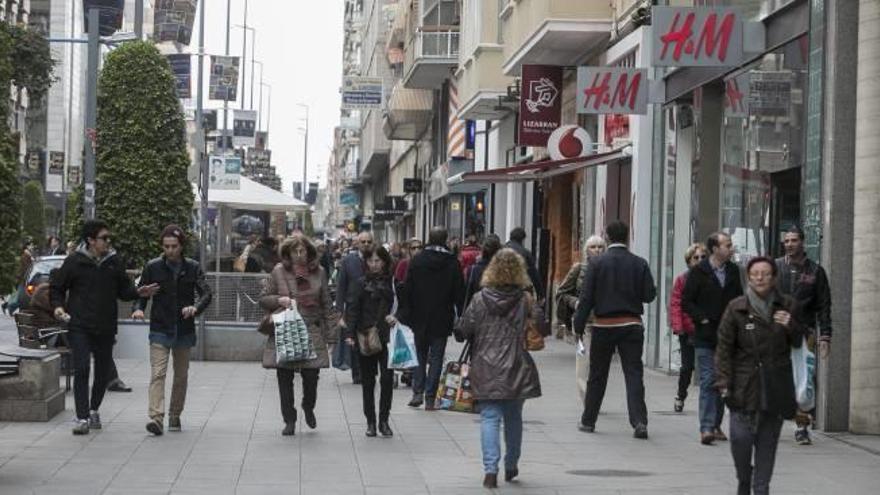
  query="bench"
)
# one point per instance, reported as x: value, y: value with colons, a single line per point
x: 29, y: 388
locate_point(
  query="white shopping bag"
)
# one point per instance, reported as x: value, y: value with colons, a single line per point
x: 402, y: 348
x: 803, y: 366
x: 581, y: 368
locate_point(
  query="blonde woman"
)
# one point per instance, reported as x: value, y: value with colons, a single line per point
x: 568, y: 293
x: 682, y: 325
x: 502, y: 373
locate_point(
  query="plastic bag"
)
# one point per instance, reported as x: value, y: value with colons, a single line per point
x: 292, y: 340
x: 581, y: 368
x: 803, y: 366
x: 402, y: 349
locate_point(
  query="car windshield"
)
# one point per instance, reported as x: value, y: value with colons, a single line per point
x: 42, y: 267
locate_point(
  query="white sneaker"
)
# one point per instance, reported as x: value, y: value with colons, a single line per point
x: 81, y: 427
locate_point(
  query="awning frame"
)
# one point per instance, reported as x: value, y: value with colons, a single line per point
x: 546, y: 169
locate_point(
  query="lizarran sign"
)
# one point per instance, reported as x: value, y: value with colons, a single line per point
x: 696, y: 36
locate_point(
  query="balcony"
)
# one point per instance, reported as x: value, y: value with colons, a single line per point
x: 480, y: 85
x: 409, y: 113
x: 375, y: 147
x: 552, y: 32
x: 430, y: 55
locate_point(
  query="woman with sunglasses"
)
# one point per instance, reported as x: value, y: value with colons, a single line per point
x: 681, y: 324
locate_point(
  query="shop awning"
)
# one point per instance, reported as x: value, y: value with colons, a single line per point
x: 546, y: 169
x: 252, y: 196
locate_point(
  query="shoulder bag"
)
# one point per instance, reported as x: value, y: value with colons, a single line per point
x: 534, y: 340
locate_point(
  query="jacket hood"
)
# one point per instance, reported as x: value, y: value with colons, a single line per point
x: 436, y: 258
x: 84, y: 250
x: 500, y: 300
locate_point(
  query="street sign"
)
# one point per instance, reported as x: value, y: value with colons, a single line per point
x: 224, y: 78
x: 181, y: 67
x: 362, y: 92
x: 173, y: 20
x: 225, y: 172
x: 540, y: 106
x: 696, y: 36
x: 602, y: 90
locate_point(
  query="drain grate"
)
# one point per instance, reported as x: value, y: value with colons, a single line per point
x: 609, y: 473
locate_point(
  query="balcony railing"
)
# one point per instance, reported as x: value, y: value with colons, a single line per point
x: 439, y: 44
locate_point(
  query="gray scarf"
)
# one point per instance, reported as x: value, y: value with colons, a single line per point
x: 762, y: 305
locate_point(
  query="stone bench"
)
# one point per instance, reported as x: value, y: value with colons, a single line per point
x: 33, y: 393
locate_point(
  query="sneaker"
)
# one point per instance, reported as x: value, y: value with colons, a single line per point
x: 490, y: 480
x: 371, y: 430
x: 94, y: 420
x: 118, y: 385
x: 640, y: 432
x: 173, y: 423
x: 81, y: 427
x: 289, y: 429
x: 678, y: 405
x: 511, y: 473
x: 384, y: 429
x: 707, y: 437
x: 586, y: 428
x: 719, y: 435
x: 155, y: 427
x: 416, y: 401
x: 802, y: 436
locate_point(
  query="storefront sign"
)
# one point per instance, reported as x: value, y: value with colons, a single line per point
x: 244, y: 128
x: 616, y: 128
x: 569, y: 141
x: 362, y: 92
x: 392, y: 208
x: 225, y: 172
x: 612, y: 90
x: 540, y: 104
x: 224, y: 78
x: 736, y: 96
x: 349, y: 197
x: 412, y: 185
x: 181, y: 67
x: 696, y: 36
x: 173, y: 20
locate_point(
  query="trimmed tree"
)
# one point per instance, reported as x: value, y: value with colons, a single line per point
x: 141, y: 175
x: 33, y: 212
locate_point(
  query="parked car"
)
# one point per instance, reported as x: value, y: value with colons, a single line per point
x: 38, y: 273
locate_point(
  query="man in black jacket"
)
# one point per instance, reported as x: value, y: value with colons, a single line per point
x: 84, y: 292
x: 172, y: 323
x: 806, y: 281
x: 517, y: 237
x: 615, y: 288
x: 433, y: 296
x: 351, y: 271
x: 710, y: 287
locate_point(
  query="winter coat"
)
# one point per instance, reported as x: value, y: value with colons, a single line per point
x: 433, y: 293
x: 808, y: 285
x: 320, y: 320
x: 703, y: 299
x: 467, y: 258
x: 679, y: 321
x: 88, y: 289
x: 534, y: 276
x: 500, y: 367
x: 174, y: 294
x: 739, y: 345
x: 370, y: 303
x: 567, y: 294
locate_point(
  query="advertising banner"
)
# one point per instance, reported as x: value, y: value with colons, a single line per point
x: 181, y: 67
x: 362, y: 92
x: 244, y: 128
x: 225, y: 172
x: 603, y: 90
x: 540, y: 104
x: 55, y: 171
x: 224, y: 78
x: 696, y: 36
x: 109, y: 17
x: 74, y: 175
x: 173, y: 20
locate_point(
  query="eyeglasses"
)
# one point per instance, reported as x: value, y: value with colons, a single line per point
x: 105, y: 238
x: 698, y: 257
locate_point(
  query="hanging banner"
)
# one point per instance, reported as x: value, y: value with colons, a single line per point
x: 540, y: 104
x: 224, y: 78
x: 244, y: 128
x: 225, y: 172
x: 74, y: 175
x: 55, y: 172
x: 110, y: 14
x: 209, y: 120
x: 602, y: 90
x: 181, y: 67
x: 173, y: 20
x: 696, y: 36
x: 362, y: 92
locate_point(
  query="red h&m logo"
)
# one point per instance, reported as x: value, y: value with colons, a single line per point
x: 697, y: 37
x: 611, y: 90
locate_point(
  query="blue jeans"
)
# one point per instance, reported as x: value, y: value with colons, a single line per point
x: 491, y: 413
x: 711, y: 406
x: 426, y: 377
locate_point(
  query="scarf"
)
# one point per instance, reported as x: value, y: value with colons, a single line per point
x: 762, y: 306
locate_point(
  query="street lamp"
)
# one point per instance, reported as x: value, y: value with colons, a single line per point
x: 253, y: 31
x: 305, y: 184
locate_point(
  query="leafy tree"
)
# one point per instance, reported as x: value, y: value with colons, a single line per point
x: 141, y: 183
x: 33, y: 215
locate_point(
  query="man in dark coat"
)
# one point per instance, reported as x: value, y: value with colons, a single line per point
x: 517, y: 237
x: 433, y: 298
x: 351, y: 272
x: 710, y: 287
x: 84, y: 292
x: 616, y: 287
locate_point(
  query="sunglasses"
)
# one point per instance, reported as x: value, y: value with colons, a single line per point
x: 698, y: 257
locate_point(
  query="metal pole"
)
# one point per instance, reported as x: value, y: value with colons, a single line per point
x: 306, y: 160
x: 244, y: 54
x: 91, y: 115
x: 204, y: 177
x: 253, y: 60
x: 225, y: 100
x: 260, y: 116
x: 139, y: 19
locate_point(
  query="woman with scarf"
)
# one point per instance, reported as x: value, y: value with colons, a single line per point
x: 754, y: 374
x: 300, y: 278
x: 371, y: 308
x: 568, y: 293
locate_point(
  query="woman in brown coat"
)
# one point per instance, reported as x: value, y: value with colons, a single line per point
x: 300, y: 278
x: 502, y: 372
x: 753, y: 373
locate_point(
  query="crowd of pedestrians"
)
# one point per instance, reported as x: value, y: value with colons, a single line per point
x: 735, y: 325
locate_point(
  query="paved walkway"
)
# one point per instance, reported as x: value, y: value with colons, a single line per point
x: 231, y: 443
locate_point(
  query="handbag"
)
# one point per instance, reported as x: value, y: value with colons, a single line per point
x: 534, y: 341
x: 455, y: 392
x: 369, y: 342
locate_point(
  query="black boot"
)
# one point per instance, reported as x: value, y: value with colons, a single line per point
x: 289, y: 429
x: 371, y: 430
x: 384, y: 429
x: 311, y: 421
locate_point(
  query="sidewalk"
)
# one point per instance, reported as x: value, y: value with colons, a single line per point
x: 231, y: 443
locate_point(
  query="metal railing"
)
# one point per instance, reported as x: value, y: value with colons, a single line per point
x: 439, y: 44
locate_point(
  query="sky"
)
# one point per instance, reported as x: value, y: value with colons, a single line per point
x: 299, y: 43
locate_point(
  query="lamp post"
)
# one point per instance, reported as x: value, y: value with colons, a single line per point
x: 253, y: 31
x: 305, y: 183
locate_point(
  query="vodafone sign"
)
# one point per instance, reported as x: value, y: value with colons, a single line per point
x: 569, y: 141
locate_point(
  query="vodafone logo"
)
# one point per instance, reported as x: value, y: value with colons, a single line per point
x: 569, y: 141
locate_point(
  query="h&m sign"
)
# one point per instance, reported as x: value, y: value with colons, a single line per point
x: 620, y: 90
x: 696, y: 36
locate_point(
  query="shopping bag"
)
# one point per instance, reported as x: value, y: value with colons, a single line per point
x: 342, y: 354
x: 402, y: 349
x: 581, y: 368
x: 292, y: 340
x: 454, y: 392
x: 803, y: 366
